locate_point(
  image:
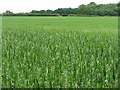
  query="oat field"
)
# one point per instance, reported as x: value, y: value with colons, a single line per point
x: 59, y: 52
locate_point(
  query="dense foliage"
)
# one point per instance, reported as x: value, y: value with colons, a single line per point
x: 84, y: 10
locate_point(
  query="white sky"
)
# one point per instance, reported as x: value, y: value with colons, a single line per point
x: 28, y: 5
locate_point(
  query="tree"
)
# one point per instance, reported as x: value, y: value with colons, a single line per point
x: 92, y: 3
x: 118, y: 10
x: 49, y: 12
x: 90, y: 9
x: 8, y: 13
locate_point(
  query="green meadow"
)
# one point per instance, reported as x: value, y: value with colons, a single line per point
x: 59, y: 52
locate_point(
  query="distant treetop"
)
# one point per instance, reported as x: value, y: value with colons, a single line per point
x: 91, y: 9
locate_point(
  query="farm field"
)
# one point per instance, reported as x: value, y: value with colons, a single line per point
x: 0, y: 52
x: 54, y: 52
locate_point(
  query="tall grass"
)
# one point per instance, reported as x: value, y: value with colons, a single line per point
x: 59, y: 52
x: 0, y: 52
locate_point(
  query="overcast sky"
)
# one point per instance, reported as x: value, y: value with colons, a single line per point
x: 28, y: 5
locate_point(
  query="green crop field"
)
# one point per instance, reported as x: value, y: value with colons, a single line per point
x: 54, y: 52
x: 0, y: 52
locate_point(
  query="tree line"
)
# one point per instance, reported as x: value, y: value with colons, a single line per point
x: 91, y: 9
